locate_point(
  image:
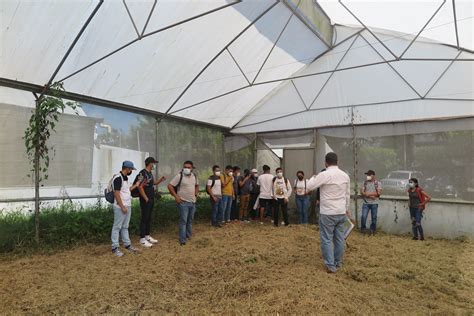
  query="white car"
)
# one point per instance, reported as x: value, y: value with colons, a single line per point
x: 396, y: 181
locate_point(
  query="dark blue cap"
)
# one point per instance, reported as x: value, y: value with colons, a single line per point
x: 128, y: 164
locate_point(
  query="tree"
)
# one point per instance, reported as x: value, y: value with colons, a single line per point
x: 43, y: 121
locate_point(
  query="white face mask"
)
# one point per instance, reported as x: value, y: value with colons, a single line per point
x: 255, y: 175
x: 369, y: 178
x: 238, y: 174
x: 218, y: 173
x: 186, y: 171
x: 411, y: 185
x: 280, y: 174
x: 230, y: 174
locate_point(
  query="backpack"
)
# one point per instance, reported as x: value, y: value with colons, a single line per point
x: 213, y: 178
x: 109, y: 190
x: 254, y: 188
x: 421, y: 196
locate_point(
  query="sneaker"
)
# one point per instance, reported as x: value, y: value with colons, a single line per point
x: 271, y: 221
x: 330, y: 270
x: 151, y: 240
x: 182, y: 243
x: 131, y: 249
x: 282, y: 223
x: 261, y: 223
x: 145, y: 243
x: 117, y: 252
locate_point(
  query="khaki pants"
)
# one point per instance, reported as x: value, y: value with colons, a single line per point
x: 244, y: 206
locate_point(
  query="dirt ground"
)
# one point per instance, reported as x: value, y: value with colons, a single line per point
x: 246, y: 268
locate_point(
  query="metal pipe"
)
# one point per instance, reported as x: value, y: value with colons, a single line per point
x: 215, y: 57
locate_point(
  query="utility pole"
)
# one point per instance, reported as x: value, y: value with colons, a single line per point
x: 354, y: 152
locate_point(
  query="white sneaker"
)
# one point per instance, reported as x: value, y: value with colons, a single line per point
x: 282, y: 223
x: 145, y: 243
x: 151, y: 239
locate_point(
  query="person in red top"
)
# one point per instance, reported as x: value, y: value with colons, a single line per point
x: 417, y: 202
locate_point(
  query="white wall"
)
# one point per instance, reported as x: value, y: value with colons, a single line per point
x: 441, y: 219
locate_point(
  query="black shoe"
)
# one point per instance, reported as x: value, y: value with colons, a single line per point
x: 182, y: 243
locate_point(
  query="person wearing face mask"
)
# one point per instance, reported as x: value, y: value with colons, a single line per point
x: 227, y: 181
x: 417, y: 202
x: 254, y: 191
x: 281, y: 193
x: 370, y: 191
x: 301, y: 197
x: 265, y: 197
x: 122, y: 208
x: 334, y: 209
x: 234, y: 214
x: 214, y: 189
x: 147, y: 197
x: 184, y: 188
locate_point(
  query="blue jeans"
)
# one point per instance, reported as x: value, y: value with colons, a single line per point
x: 416, y: 215
x: 120, y: 227
x: 331, y: 231
x: 373, y: 213
x: 302, y: 205
x: 186, y: 216
x: 226, y: 203
x: 216, y: 214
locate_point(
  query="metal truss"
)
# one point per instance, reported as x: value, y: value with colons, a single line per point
x: 143, y: 35
x: 215, y: 57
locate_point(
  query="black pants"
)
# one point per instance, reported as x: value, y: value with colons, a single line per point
x: 280, y: 204
x: 234, y: 211
x: 145, y: 221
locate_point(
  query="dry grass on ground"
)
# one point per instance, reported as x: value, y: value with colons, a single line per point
x: 246, y: 269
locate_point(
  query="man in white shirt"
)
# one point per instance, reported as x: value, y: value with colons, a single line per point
x: 265, y: 183
x: 334, y: 186
x: 281, y: 193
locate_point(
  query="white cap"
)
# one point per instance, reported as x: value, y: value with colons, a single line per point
x: 254, y: 170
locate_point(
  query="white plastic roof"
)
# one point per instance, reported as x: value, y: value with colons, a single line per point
x: 251, y: 66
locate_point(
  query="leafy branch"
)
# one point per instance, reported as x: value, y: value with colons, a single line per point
x: 43, y: 122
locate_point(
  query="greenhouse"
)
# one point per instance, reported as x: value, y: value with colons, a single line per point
x: 387, y: 85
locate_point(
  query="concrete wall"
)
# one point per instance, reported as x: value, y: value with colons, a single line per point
x: 442, y: 219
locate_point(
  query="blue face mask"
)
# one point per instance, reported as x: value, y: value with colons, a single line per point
x: 186, y: 171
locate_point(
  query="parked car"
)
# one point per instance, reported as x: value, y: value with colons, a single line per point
x: 396, y: 181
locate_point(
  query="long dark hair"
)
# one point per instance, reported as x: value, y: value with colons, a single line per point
x: 415, y: 181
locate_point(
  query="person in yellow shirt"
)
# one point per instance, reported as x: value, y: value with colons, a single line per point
x: 228, y: 194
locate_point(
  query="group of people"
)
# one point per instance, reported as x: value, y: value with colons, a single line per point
x: 260, y: 196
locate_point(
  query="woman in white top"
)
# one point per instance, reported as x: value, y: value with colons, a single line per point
x: 301, y: 197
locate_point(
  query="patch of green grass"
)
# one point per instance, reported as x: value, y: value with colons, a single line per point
x: 71, y: 224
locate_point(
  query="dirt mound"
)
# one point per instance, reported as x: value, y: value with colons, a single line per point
x: 246, y: 268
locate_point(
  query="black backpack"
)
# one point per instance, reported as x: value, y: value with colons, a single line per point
x: 213, y: 178
x: 109, y: 190
x: 254, y: 188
